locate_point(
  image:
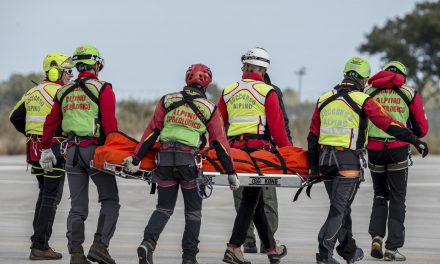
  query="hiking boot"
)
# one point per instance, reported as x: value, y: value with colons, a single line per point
x: 329, y: 260
x: 235, y: 256
x: 49, y: 254
x: 78, y: 258
x: 376, y: 247
x: 358, y: 255
x: 189, y: 261
x: 393, y: 255
x: 99, y: 253
x: 145, y: 251
x: 250, y: 247
x: 276, y: 255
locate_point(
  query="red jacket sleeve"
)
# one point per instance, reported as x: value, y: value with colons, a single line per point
x: 221, y: 106
x: 216, y: 130
x: 217, y: 139
x: 152, y: 131
x: 52, y: 122
x: 418, y: 117
x: 315, y: 124
x: 378, y: 115
x: 107, y: 107
x: 382, y: 120
x: 275, y: 121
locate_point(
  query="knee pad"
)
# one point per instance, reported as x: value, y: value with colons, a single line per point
x: 165, y: 211
x: 193, y: 215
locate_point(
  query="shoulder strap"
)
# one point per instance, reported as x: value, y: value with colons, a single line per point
x: 397, y: 90
x: 89, y: 93
x: 403, y: 96
x: 332, y: 98
x: 80, y: 83
x: 69, y: 90
x: 353, y: 104
x: 186, y: 99
x: 375, y: 92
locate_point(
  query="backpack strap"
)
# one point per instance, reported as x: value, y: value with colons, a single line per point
x: 402, y: 95
x: 188, y: 100
x: 398, y: 92
x: 375, y: 92
x: 333, y: 97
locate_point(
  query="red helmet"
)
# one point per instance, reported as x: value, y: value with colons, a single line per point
x: 198, y: 74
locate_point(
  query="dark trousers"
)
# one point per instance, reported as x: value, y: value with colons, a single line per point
x: 167, y: 191
x: 270, y: 208
x: 50, y: 186
x: 338, y: 225
x: 389, y: 197
x: 252, y: 209
x: 78, y: 176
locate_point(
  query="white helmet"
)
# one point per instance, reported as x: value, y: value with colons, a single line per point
x: 256, y: 56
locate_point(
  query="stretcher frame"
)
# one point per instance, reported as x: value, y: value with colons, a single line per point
x: 216, y: 178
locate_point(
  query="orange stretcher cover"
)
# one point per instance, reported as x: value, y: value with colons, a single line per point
x: 286, y: 160
x: 119, y: 146
x: 242, y: 162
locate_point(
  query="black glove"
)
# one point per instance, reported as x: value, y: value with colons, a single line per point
x: 421, y: 147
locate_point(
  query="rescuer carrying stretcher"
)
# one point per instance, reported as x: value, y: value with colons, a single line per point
x: 180, y: 122
x: 255, y: 121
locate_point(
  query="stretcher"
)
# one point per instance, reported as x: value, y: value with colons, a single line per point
x: 216, y: 178
x: 285, y: 167
x: 207, y: 180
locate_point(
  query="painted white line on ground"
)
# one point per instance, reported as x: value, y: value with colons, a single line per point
x: 13, y: 168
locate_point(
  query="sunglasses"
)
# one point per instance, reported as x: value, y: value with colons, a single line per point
x: 69, y: 71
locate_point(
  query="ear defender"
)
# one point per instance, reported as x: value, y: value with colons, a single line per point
x: 53, y: 74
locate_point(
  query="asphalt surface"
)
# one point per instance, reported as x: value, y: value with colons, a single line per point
x: 299, y: 222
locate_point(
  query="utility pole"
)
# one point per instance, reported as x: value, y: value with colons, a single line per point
x: 301, y: 72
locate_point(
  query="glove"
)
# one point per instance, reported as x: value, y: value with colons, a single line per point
x: 421, y: 147
x: 234, y: 183
x: 47, y: 160
x: 130, y: 166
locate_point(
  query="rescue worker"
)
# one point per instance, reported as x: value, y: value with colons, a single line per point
x: 28, y: 118
x: 269, y: 193
x: 251, y: 111
x: 86, y: 111
x: 336, y: 142
x: 180, y: 122
x: 388, y: 158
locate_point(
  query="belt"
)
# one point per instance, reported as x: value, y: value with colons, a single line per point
x: 176, y: 146
x: 335, y: 148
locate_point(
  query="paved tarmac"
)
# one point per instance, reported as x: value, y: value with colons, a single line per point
x: 299, y: 222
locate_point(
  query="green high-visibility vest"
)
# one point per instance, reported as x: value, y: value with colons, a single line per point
x: 245, y: 103
x: 395, y: 103
x: 80, y: 108
x: 182, y: 124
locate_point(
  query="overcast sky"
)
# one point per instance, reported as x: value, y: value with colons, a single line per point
x: 148, y: 45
